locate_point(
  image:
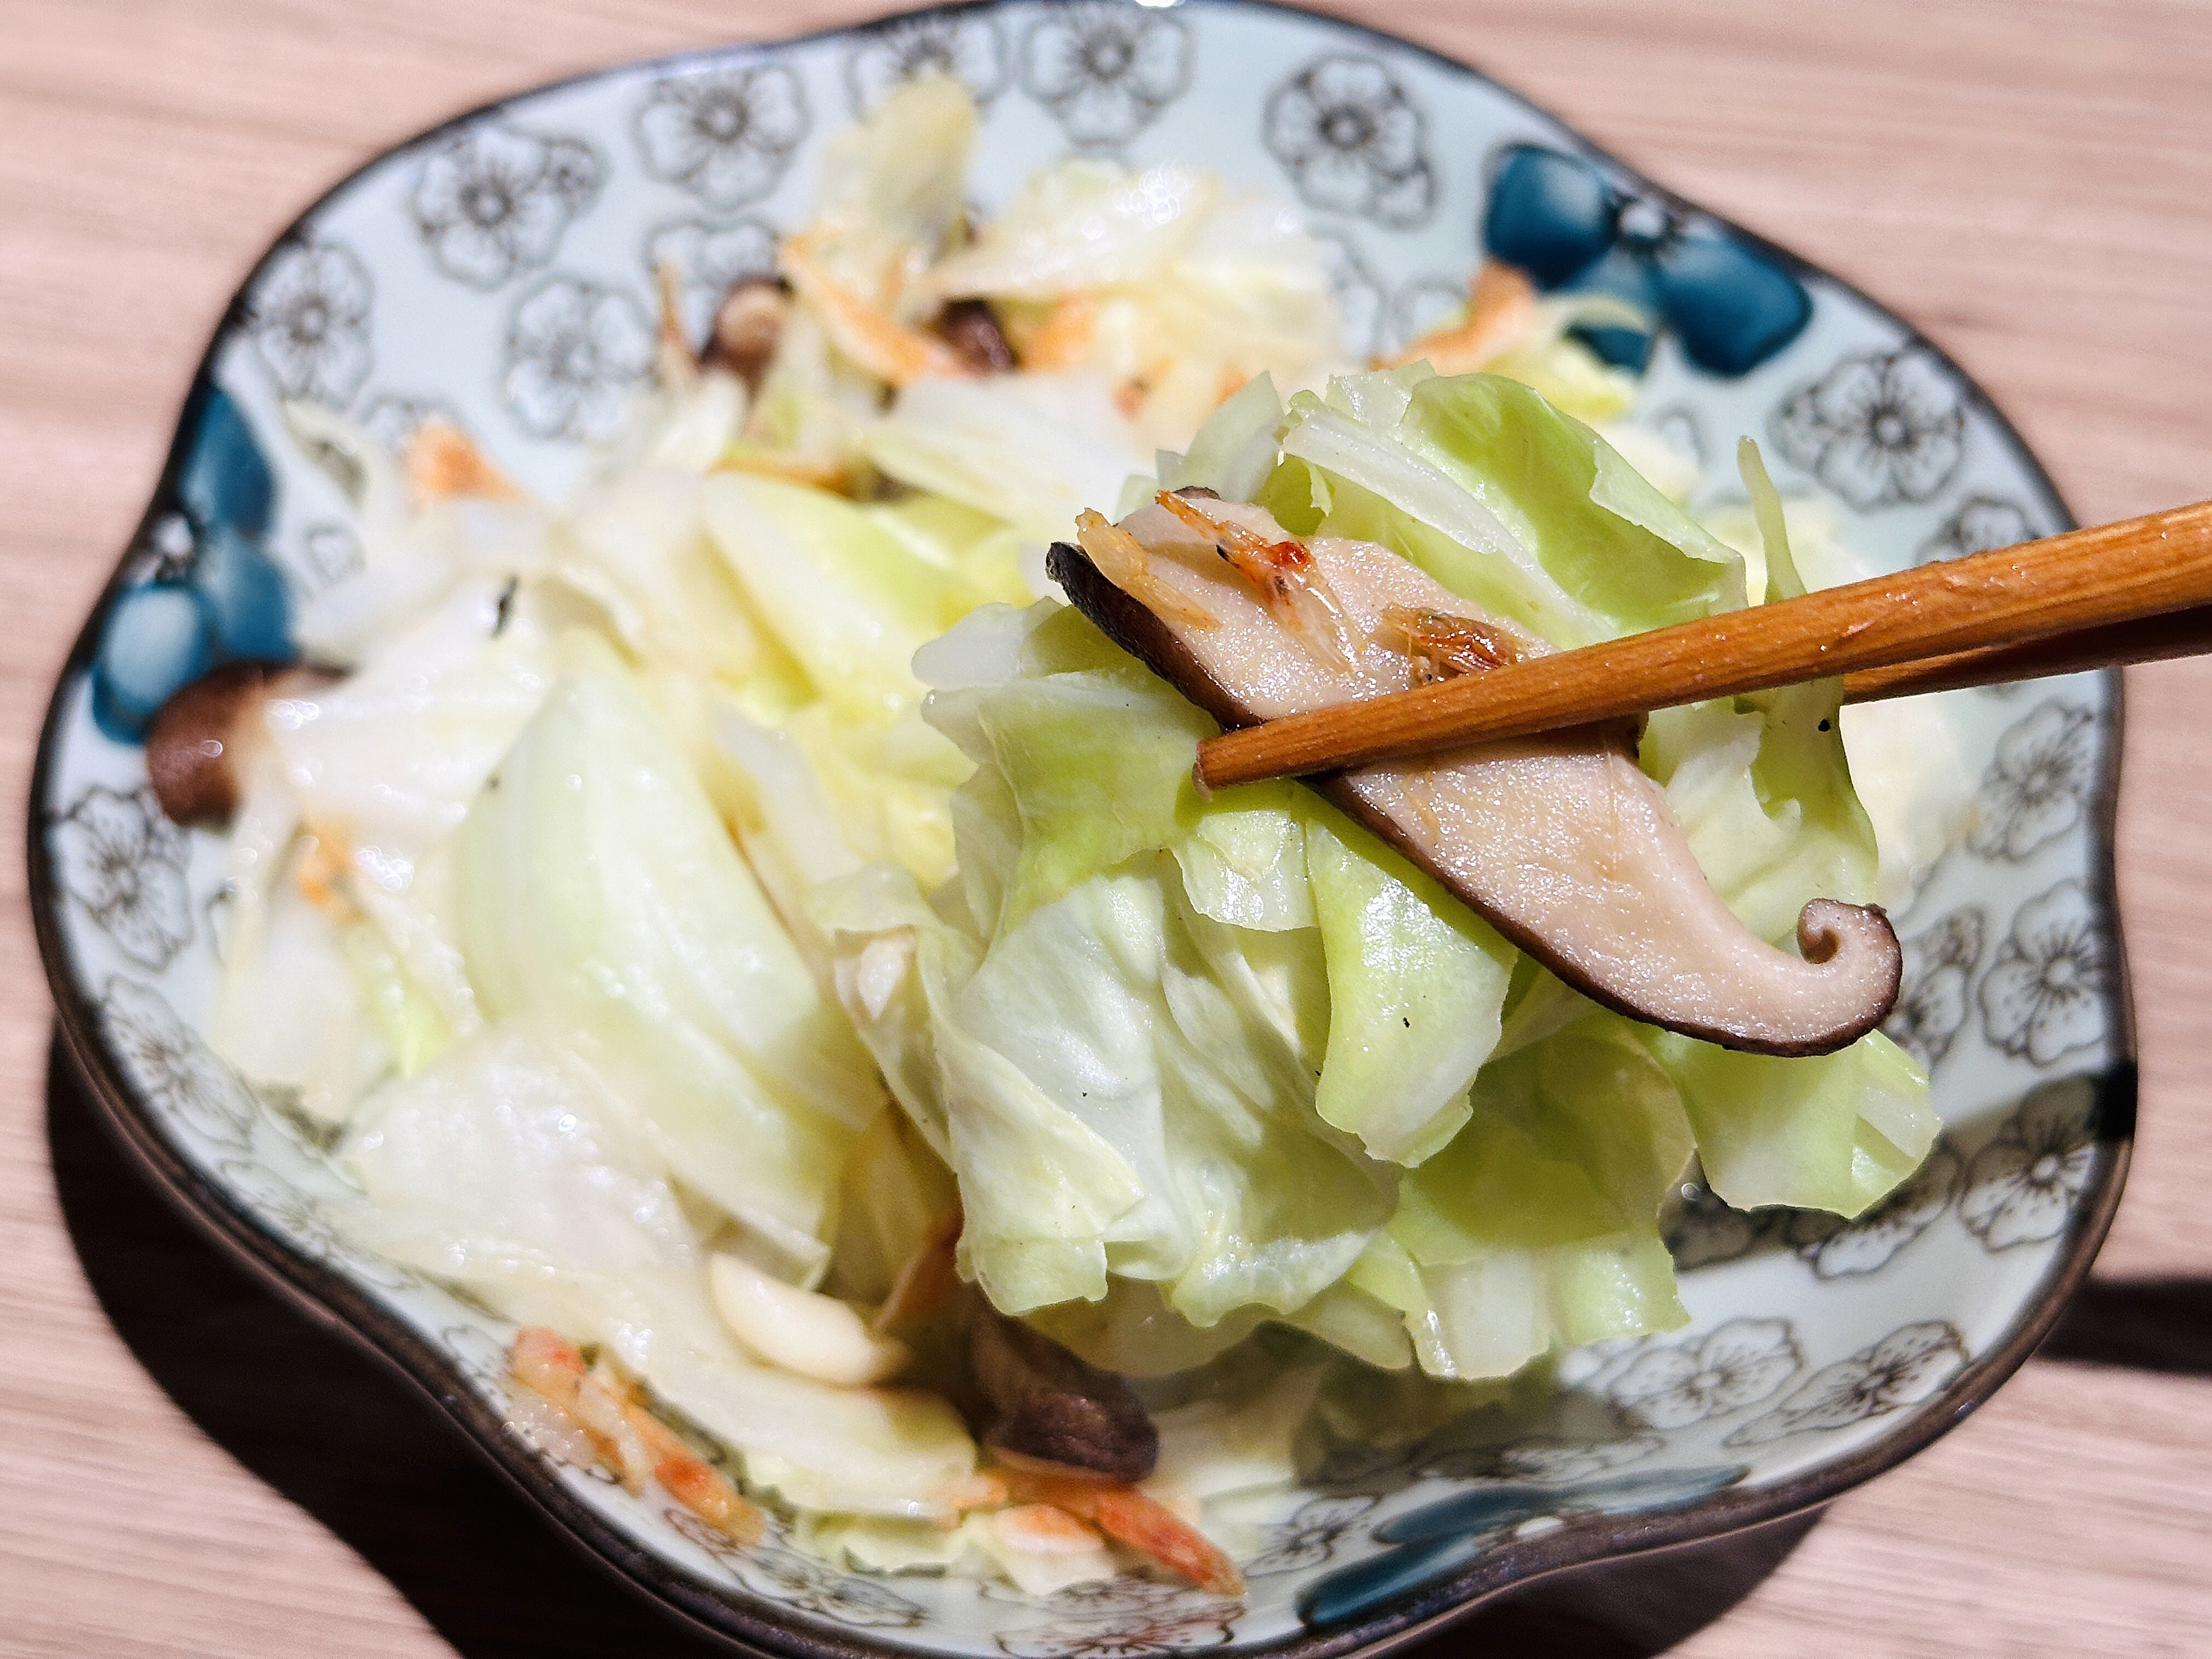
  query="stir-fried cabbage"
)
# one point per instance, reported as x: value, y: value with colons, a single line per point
x: 1416, y: 985
x: 1030, y: 451
x: 1508, y: 1206
x: 656, y: 835
x: 526, y: 1165
x: 1535, y: 1226
x: 894, y: 190
x: 1160, y: 283
x: 295, y: 1015
x: 1908, y: 754
x: 597, y: 883
x: 1502, y: 498
x: 1762, y: 784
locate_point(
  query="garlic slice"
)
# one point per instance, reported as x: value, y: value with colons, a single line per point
x: 800, y: 1331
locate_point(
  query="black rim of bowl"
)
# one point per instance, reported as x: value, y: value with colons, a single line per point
x: 332, y: 1300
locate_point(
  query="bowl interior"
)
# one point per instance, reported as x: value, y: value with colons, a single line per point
x: 499, y: 272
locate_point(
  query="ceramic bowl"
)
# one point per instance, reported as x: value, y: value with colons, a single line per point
x: 498, y: 272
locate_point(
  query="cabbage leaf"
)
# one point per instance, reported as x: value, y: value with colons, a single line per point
x: 598, y: 881
x: 1121, y: 969
x: 524, y: 1165
x: 1834, y: 1132
x: 1029, y: 450
x: 1761, y: 785
x: 1116, y: 1025
x: 1504, y: 500
x: 1538, y: 1226
x: 1416, y: 983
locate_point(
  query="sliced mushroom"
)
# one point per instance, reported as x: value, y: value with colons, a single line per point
x: 196, y: 747
x: 748, y: 324
x: 1560, y: 840
x: 1041, y: 1407
x: 971, y: 328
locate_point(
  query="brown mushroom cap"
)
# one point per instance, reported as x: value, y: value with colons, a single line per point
x: 197, y: 745
x: 748, y: 325
x: 192, y: 746
x: 1041, y: 1404
x: 971, y: 328
x: 1560, y: 842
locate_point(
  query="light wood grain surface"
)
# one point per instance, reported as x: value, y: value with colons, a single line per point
x: 186, y: 1469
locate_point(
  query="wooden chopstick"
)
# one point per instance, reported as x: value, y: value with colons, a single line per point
x: 2098, y: 579
x: 2148, y: 639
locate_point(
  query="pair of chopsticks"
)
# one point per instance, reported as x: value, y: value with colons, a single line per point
x: 2137, y: 590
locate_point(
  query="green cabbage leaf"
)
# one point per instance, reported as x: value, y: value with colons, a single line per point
x: 1134, y: 1019
x: 1537, y: 1226
x: 1504, y: 499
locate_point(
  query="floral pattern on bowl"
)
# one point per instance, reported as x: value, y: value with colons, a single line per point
x: 498, y: 273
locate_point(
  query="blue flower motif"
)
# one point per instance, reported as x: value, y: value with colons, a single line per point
x: 1565, y: 221
x: 225, y: 479
x: 207, y: 592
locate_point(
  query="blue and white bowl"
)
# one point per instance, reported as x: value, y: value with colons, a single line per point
x: 499, y: 272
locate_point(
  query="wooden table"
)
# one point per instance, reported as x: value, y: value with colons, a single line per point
x: 186, y: 1469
